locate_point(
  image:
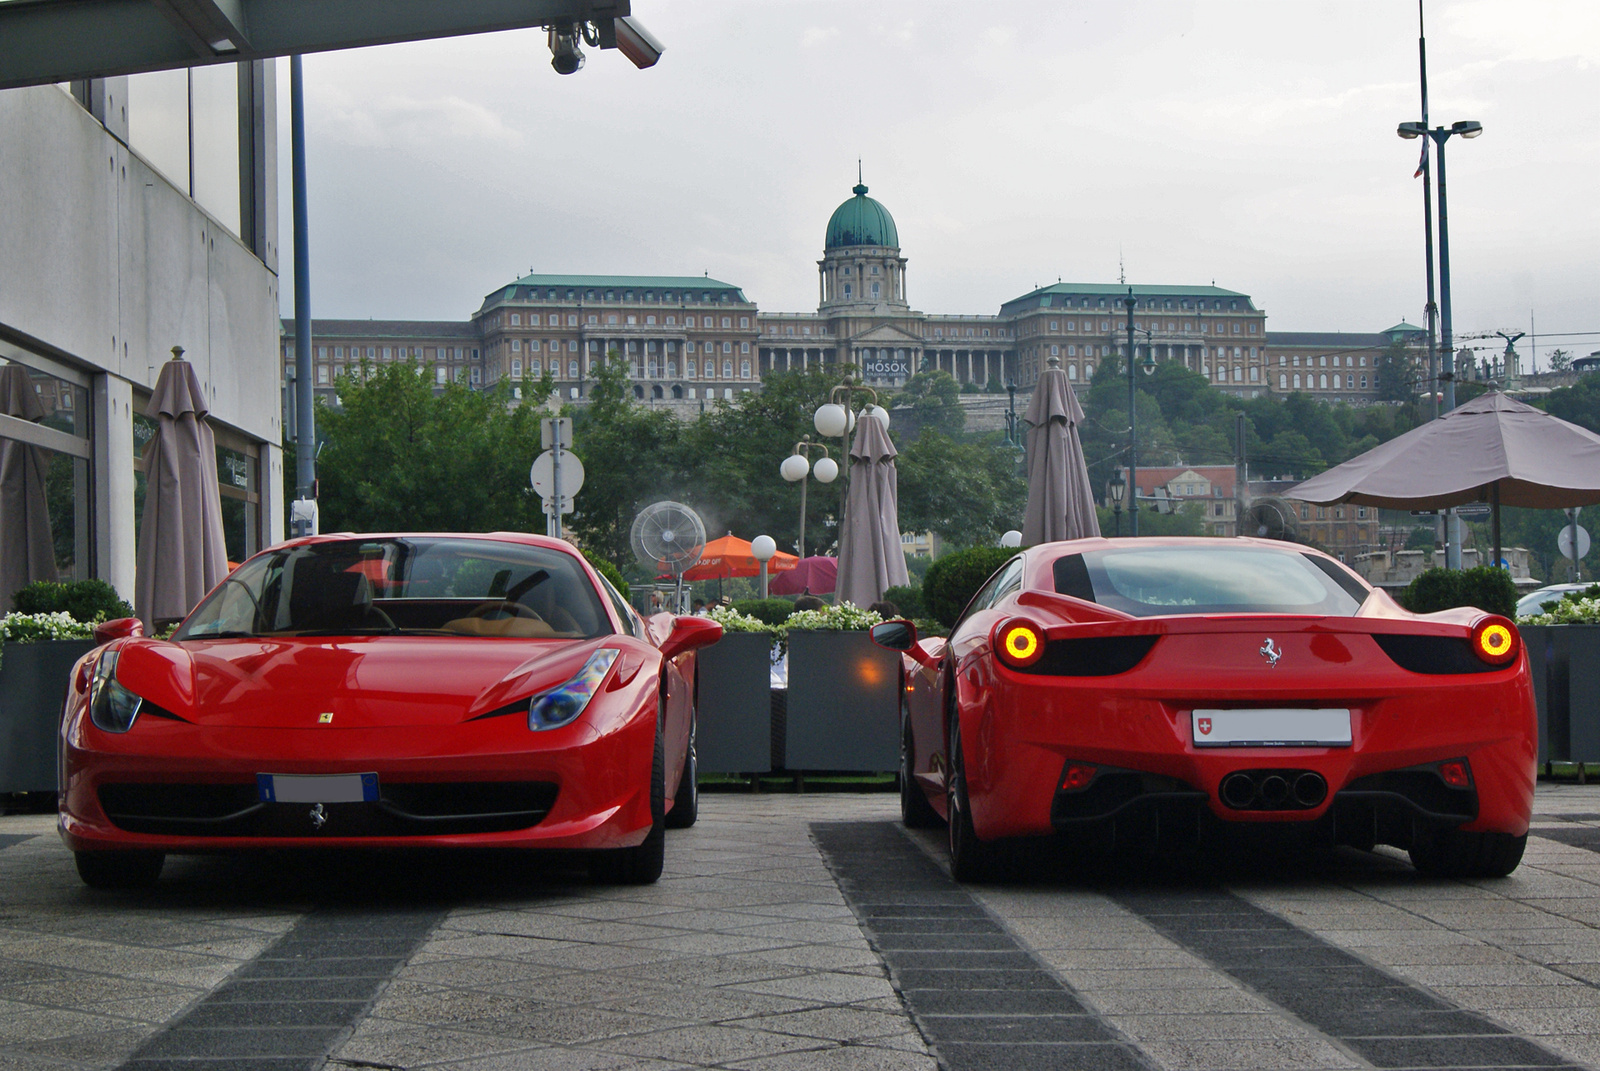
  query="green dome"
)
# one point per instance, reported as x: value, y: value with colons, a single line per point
x: 861, y: 221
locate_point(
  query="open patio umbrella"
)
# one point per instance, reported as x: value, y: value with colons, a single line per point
x: 730, y: 556
x: 27, y: 550
x: 1060, y: 503
x: 182, y: 554
x: 870, y: 557
x: 817, y: 575
x: 1492, y: 449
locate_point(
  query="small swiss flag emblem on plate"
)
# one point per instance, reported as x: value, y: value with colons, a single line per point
x: 1205, y: 726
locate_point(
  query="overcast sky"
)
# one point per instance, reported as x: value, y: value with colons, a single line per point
x: 1249, y: 143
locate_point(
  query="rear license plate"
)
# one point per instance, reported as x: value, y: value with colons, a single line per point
x: 1275, y: 727
x: 317, y: 788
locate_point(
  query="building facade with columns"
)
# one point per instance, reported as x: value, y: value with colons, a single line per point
x: 690, y: 339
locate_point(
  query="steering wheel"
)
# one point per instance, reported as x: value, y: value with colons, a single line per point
x: 499, y: 609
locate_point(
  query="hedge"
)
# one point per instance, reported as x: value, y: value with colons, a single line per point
x: 953, y: 579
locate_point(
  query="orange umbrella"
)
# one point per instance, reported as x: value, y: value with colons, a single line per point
x: 730, y: 556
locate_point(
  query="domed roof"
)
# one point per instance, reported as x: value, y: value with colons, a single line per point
x: 861, y: 221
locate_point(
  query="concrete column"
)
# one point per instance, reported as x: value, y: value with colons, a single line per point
x: 115, y: 524
x: 274, y: 514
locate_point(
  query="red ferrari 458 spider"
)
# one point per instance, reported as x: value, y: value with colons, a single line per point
x: 387, y: 691
x: 1156, y: 691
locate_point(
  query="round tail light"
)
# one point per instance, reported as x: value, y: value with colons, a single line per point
x: 1495, y: 640
x: 1020, y: 643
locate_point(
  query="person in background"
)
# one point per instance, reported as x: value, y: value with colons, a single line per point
x: 699, y: 609
x: 808, y: 602
x: 885, y: 609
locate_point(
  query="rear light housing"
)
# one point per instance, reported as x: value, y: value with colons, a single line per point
x: 1077, y: 776
x: 1457, y: 773
x: 1019, y: 643
x: 1496, y: 641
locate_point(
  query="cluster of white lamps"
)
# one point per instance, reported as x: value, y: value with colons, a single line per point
x: 834, y: 420
x: 795, y: 467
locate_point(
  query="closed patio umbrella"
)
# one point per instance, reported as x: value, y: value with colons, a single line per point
x: 870, y: 557
x: 1492, y: 449
x: 27, y: 550
x: 182, y: 553
x: 1060, y: 503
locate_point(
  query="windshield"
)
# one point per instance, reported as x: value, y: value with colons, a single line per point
x: 1208, y: 580
x: 458, y: 587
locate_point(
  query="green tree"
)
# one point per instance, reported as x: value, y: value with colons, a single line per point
x: 1396, y: 380
x: 967, y: 490
x: 399, y: 456
x: 934, y: 401
x: 632, y: 455
x: 1560, y: 360
x: 1578, y: 404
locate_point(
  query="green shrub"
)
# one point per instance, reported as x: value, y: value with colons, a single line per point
x: 87, y: 601
x: 1485, y: 587
x: 769, y: 611
x: 609, y: 571
x: 955, y: 578
x: 908, y: 600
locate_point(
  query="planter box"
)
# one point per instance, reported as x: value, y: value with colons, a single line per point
x: 33, y: 685
x: 844, y: 703
x: 734, y: 727
x: 1565, y: 663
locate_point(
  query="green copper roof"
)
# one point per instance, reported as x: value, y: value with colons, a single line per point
x: 861, y: 221
x: 582, y: 285
x: 1045, y: 296
x: 1403, y: 328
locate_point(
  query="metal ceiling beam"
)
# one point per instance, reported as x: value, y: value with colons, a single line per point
x: 45, y: 41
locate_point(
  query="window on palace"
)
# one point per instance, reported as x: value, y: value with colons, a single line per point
x: 1297, y: 381
x: 727, y: 369
x: 536, y: 367
x: 649, y: 320
x: 744, y: 321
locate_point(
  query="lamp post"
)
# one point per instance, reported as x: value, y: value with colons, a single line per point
x: 1117, y: 488
x: 836, y: 419
x: 798, y: 467
x: 1133, y: 451
x: 1011, y: 413
x: 762, y: 548
x: 1467, y: 128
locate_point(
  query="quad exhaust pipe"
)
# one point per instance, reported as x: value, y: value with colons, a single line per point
x: 1273, y: 790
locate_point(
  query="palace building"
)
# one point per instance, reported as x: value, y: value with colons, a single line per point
x: 689, y: 339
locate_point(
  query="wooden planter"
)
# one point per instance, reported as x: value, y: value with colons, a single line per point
x: 844, y: 703
x: 734, y: 727
x: 1565, y: 664
x: 33, y: 686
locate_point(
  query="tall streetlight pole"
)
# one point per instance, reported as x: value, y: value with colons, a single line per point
x: 1447, y: 374
x: 1133, y: 451
x: 305, y: 402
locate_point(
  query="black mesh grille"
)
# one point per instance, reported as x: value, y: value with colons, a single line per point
x: 1433, y: 654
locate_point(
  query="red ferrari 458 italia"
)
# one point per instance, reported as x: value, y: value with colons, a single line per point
x: 387, y: 691
x: 1122, y: 692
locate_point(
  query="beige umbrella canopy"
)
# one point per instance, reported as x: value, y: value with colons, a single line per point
x: 27, y: 550
x: 1060, y: 504
x: 870, y: 557
x: 1491, y: 449
x: 182, y: 554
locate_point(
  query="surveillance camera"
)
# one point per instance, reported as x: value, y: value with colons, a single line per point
x: 631, y: 39
x: 565, y: 55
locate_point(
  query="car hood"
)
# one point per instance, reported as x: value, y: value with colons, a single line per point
x: 361, y: 682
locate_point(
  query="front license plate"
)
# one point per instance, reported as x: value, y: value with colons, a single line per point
x: 317, y: 788
x: 1274, y: 727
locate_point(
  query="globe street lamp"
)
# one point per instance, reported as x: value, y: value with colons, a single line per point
x: 1117, y: 488
x: 797, y: 467
x: 1467, y: 128
x: 1011, y: 540
x: 762, y: 548
x: 836, y: 419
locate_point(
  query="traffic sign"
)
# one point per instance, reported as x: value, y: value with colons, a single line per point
x: 1564, y: 541
x: 543, y: 474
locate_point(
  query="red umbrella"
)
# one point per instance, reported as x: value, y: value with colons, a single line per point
x: 817, y: 575
x: 730, y: 556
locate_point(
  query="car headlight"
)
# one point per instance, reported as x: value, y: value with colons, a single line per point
x: 111, y: 706
x: 562, y: 704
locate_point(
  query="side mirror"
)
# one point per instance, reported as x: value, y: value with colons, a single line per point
x: 898, y: 635
x: 689, y: 633
x: 120, y: 628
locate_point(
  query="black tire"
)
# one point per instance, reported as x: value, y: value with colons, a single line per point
x: 686, y: 803
x: 970, y: 858
x: 642, y: 864
x: 119, y: 869
x: 1454, y: 854
x: 915, y: 810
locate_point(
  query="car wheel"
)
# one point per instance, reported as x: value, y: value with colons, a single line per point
x: 119, y: 869
x: 642, y: 864
x: 1454, y: 854
x: 970, y: 858
x: 686, y: 804
x: 915, y: 810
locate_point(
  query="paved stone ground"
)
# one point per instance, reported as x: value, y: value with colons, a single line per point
x: 749, y: 954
